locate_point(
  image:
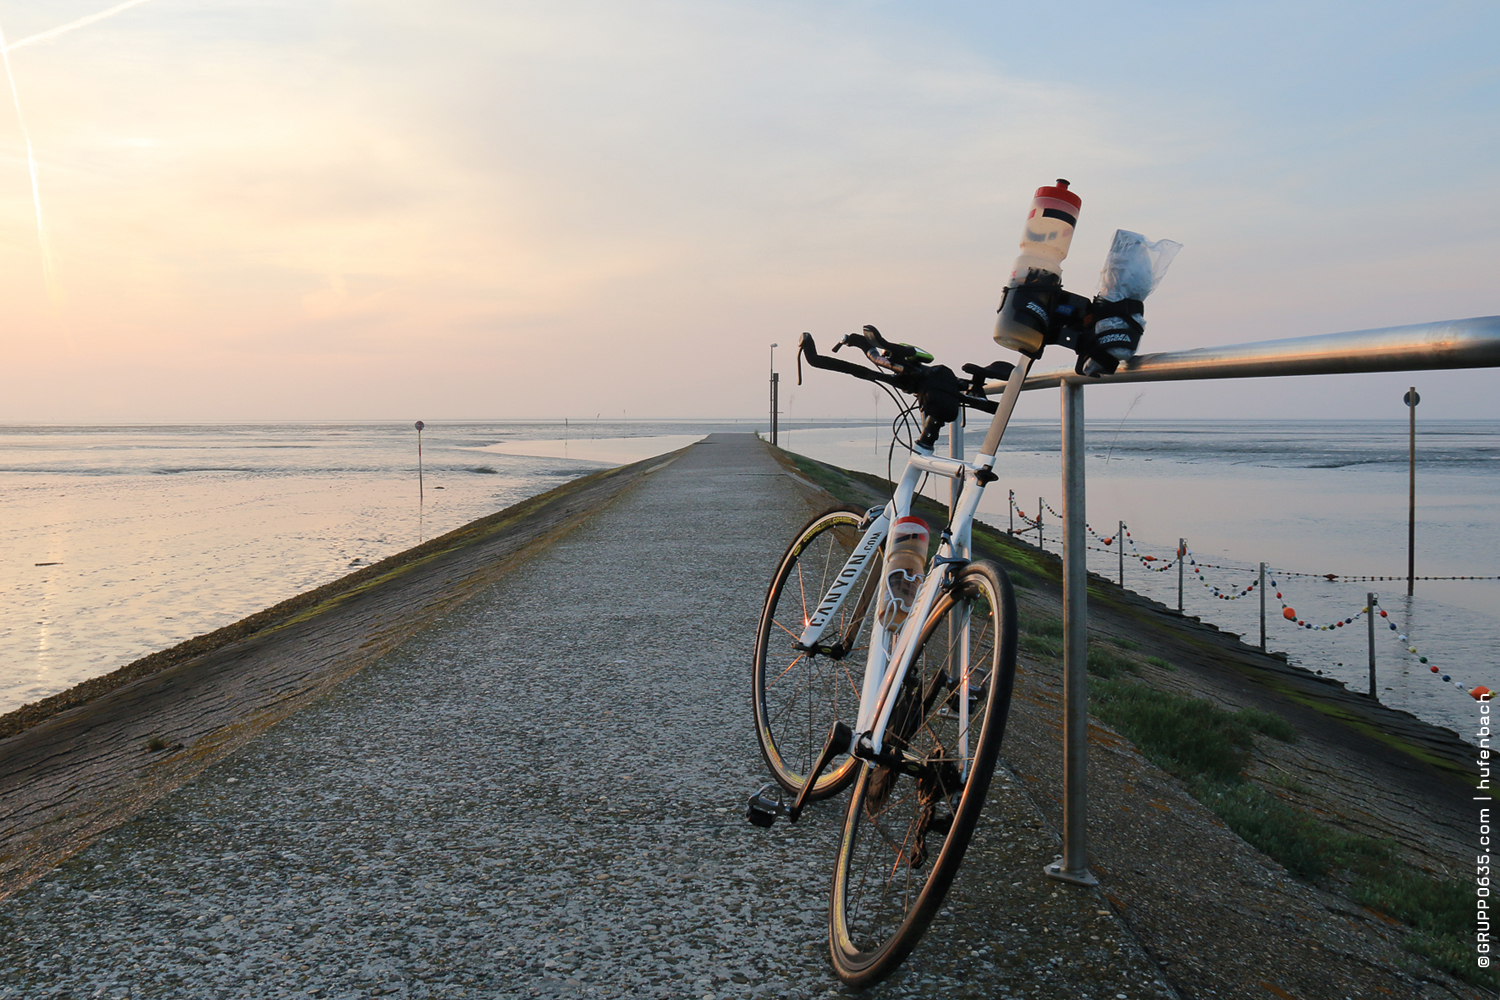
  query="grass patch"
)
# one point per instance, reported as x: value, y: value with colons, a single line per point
x: 1286, y: 781
x: 1122, y: 642
x: 1109, y: 665
x: 824, y: 475
x: 1157, y: 661
x: 1308, y: 847
x: 1051, y: 628
x: 1209, y: 748
x: 1040, y: 645
x: 1273, y: 726
x: 1041, y: 636
x: 1187, y: 736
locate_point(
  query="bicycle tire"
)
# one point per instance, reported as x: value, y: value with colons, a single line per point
x: 797, y: 697
x: 882, y: 900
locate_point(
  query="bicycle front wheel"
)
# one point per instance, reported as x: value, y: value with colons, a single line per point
x: 798, y: 696
x: 909, y: 821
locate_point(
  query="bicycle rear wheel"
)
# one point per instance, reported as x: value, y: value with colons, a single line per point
x: 907, y: 826
x: 798, y: 696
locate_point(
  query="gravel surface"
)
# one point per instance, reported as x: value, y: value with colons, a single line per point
x: 542, y: 795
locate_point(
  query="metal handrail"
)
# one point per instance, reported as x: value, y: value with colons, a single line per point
x: 1459, y: 343
x: 1462, y: 343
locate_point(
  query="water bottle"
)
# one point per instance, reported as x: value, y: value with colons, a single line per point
x: 1026, y: 308
x: 905, y: 567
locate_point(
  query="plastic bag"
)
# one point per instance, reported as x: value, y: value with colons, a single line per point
x: 1134, y: 266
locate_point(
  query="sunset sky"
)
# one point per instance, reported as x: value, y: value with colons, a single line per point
x: 450, y: 209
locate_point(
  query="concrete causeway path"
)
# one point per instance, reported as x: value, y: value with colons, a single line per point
x: 542, y: 794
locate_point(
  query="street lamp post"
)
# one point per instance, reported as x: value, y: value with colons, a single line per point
x: 775, y: 387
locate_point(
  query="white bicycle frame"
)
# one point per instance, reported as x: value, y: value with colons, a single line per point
x: 891, y: 655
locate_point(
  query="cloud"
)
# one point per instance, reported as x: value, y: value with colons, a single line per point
x: 630, y: 200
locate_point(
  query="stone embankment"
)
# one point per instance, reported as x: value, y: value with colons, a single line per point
x: 520, y: 771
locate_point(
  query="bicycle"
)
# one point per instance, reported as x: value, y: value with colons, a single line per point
x: 929, y: 691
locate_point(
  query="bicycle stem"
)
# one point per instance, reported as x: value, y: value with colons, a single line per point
x: 1005, y: 407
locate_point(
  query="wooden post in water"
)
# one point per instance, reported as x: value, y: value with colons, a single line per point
x: 1040, y: 540
x: 1011, y: 531
x: 1370, y: 614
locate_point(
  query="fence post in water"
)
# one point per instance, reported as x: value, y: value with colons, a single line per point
x: 420, y: 425
x: 1120, y: 541
x: 1262, y: 586
x: 1370, y: 614
x: 1074, y: 864
x: 1181, y: 551
x: 1011, y: 531
x: 1040, y: 541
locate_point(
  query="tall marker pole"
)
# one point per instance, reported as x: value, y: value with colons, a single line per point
x: 1411, y: 399
x: 420, y: 494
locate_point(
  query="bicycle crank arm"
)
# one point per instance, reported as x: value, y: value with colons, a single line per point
x: 763, y: 810
x: 840, y: 736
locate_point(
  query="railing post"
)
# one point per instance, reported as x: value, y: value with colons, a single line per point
x: 1074, y: 864
x: 1011, y: 531
x: 1262, y: 607
x: 1041, y: 542
x: 1370, y: 614
x: 1181, y: 551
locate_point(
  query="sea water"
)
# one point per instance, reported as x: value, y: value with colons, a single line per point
x: 1306, y: 497
x: 119, y: 541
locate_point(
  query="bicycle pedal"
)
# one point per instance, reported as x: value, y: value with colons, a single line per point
x: 763, y: 810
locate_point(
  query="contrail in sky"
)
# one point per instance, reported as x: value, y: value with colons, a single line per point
x: 48, y: 272
x: 51, y: 33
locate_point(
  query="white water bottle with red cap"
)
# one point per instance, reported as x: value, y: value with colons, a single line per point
x: 905, y: 567
x: 1025, y: 311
